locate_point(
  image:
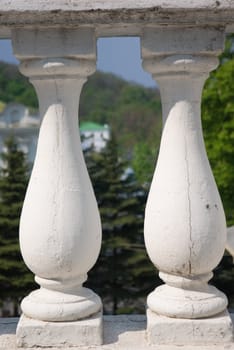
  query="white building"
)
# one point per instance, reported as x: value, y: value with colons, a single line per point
x: 94, y: 135
x: 16, y: 120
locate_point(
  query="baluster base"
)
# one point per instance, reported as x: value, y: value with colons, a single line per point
x: 189, y: 304
x: 173, y: 331
x: 56, y: 306
x: 34, y: 333
x: 187, y: 297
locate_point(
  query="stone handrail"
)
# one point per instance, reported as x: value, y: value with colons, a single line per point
x: 112, y: 17
x: 185, y: 227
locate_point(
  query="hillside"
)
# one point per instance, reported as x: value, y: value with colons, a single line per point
x: 14, y: 87
x: 134, y: 115
x: 132, y: 111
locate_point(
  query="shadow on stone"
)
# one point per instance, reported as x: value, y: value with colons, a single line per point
x: 8, y: 325
x: 119, y: 329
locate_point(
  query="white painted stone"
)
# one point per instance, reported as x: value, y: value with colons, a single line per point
x: 177, y: 41
x: 123, y: 332
x: 166, y: 330
x: 70, y: 43
x: 113, y: 18
x: 86, y: 5
x: 185, y: 228
x: 34, y: 333
x: 60, y: 230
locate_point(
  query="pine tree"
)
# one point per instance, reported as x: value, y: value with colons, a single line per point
x: 15, y: 279
x: 123, y: 271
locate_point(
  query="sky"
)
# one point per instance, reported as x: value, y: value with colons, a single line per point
x: 120, y: 56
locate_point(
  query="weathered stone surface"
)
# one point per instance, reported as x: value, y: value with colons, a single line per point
x: 33, y: 333
x: 166, y: 330
x: 185, y: 227
x: 62, y: 243
x: 120, y: 332
x: 118, y: 15
x: 86, y: 5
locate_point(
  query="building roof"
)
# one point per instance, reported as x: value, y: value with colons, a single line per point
x: 90, y: 126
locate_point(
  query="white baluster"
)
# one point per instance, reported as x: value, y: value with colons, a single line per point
x: 185, y: 228
x: 60, y: 230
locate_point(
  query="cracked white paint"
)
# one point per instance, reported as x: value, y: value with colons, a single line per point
x: 189, y: 204
x: 60, y: 230
x: 185, y: 228
x: 81, y: 5
x: 128, y: 332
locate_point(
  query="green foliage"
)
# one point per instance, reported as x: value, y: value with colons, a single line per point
x: 123, y: 272
x: 218, y: 125
x: 132, y: 111
x: 15, y: 87
x: 228, y: 52
x: 15, y: 279
x: 144, y: 162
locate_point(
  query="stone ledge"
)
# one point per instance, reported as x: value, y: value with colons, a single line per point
x: 214, y: 330
x: 125, y: 332
x: 116, y: 14
x: 35, y: 333
x: 86, y: 5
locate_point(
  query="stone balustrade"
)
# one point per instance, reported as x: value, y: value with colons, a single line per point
x: 60, y: 229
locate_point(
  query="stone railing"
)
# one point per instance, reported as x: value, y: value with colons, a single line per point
x: 60, y: 230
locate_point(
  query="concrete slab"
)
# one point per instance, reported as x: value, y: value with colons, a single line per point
x: 125, y: 332
x: 111, y: 17
x: 174, y: 331
x: 34, y: 333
